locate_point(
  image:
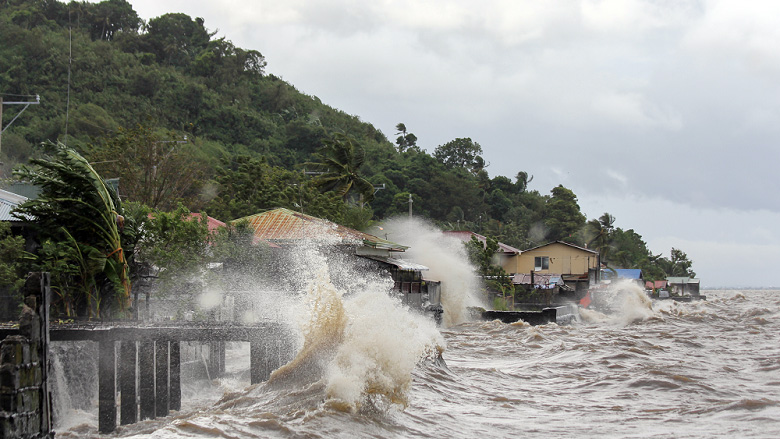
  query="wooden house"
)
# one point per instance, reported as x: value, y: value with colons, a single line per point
x: 284, y: 228
x: 577, y: 266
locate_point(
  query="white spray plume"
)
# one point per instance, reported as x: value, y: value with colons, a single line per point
x: 447, y: 260
x: 621, y: 303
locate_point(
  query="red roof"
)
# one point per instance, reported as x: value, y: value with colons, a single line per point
x: 465, y: 236
x: 280, y: 225
x: 655, y: 285
x: 213, y: 223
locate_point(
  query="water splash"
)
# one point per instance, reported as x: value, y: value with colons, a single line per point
x: 322, y: 331
x: 360, y: 342
x: 382, y: 345
x: 447, y: 260
x: 620, y: 303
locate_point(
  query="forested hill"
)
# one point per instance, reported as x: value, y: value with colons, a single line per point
x: 180, y: 115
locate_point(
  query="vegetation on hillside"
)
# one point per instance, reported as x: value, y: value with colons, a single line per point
x: 182, y: 116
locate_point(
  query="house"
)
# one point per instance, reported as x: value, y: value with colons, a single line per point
x: 577, y: 266
x: 684, y: 286
x: 284, y: 228
x: 505, y: 256
x: 8, y: 202
x: 655, y: 285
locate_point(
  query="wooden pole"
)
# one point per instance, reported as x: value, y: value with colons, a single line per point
x: 106, y: 387
x: 127, y: 390
x: 146, y: 372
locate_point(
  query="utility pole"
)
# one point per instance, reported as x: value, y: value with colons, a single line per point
x: 25, y: 103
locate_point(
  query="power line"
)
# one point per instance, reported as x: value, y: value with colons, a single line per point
x: 18, y: 96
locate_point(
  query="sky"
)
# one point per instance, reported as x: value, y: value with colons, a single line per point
x: 664, y: 113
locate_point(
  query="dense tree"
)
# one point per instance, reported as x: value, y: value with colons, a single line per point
x: 405, y: 140
x: 680, y: 264
x: 176, y: 38
x: 563, y: 218
x: 461, y: 152
x: 112, y: 16
x: 153, y: 170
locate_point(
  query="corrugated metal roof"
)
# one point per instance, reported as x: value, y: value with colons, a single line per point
x: 284, y: 225
x: 655, y: 284
x: 8, y: 202
x: 400, y: 263
x: 539, y: 279
x: 465, y: 236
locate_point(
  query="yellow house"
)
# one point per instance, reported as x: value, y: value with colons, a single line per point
x: 567, y: 260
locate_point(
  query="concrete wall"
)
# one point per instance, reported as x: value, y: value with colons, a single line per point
x: 24, y: 394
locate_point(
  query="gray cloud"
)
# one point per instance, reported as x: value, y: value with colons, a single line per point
x: 671, y: 102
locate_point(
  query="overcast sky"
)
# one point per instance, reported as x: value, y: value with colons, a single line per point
x: 664, y: 113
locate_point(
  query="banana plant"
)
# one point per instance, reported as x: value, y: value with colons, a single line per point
x: 76, y: 204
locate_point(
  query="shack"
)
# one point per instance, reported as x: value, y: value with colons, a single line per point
x: 577, y: 266
x: 684, y: 286
x: 285, y: 229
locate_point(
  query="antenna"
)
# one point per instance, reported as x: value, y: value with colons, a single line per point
x: 70, y: 62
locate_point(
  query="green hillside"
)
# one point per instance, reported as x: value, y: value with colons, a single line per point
x: 180, y: 116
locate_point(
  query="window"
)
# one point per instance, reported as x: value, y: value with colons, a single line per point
x: 541, y: 263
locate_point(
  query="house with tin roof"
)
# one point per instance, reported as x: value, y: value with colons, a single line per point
x: 8, y: 202
x: 577, y: 266
x: 285, y: 229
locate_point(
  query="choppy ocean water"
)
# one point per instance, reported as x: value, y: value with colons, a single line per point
x: 650, y: 369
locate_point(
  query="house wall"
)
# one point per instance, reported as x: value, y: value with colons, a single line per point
x: 563, y: 260
x: 508, y: 263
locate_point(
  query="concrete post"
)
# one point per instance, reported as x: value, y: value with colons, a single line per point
x: 161, y: 378
x: 127, y: 366
x: 106, y: 387
x: 146, y: 373
x: 175, y: 395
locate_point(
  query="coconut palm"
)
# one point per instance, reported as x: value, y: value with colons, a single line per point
x: 339, y: 161
x: 77, y: 206
x: 601, y: 231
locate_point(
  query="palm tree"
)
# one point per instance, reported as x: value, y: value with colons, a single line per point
x: 76, y: 206
x: 339, y: 161
x: 601, y: 230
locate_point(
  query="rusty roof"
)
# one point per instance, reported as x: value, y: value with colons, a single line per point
x: 284, y: 225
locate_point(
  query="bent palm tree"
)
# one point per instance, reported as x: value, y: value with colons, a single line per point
x: 339, y: 161
x: 76, y: 205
